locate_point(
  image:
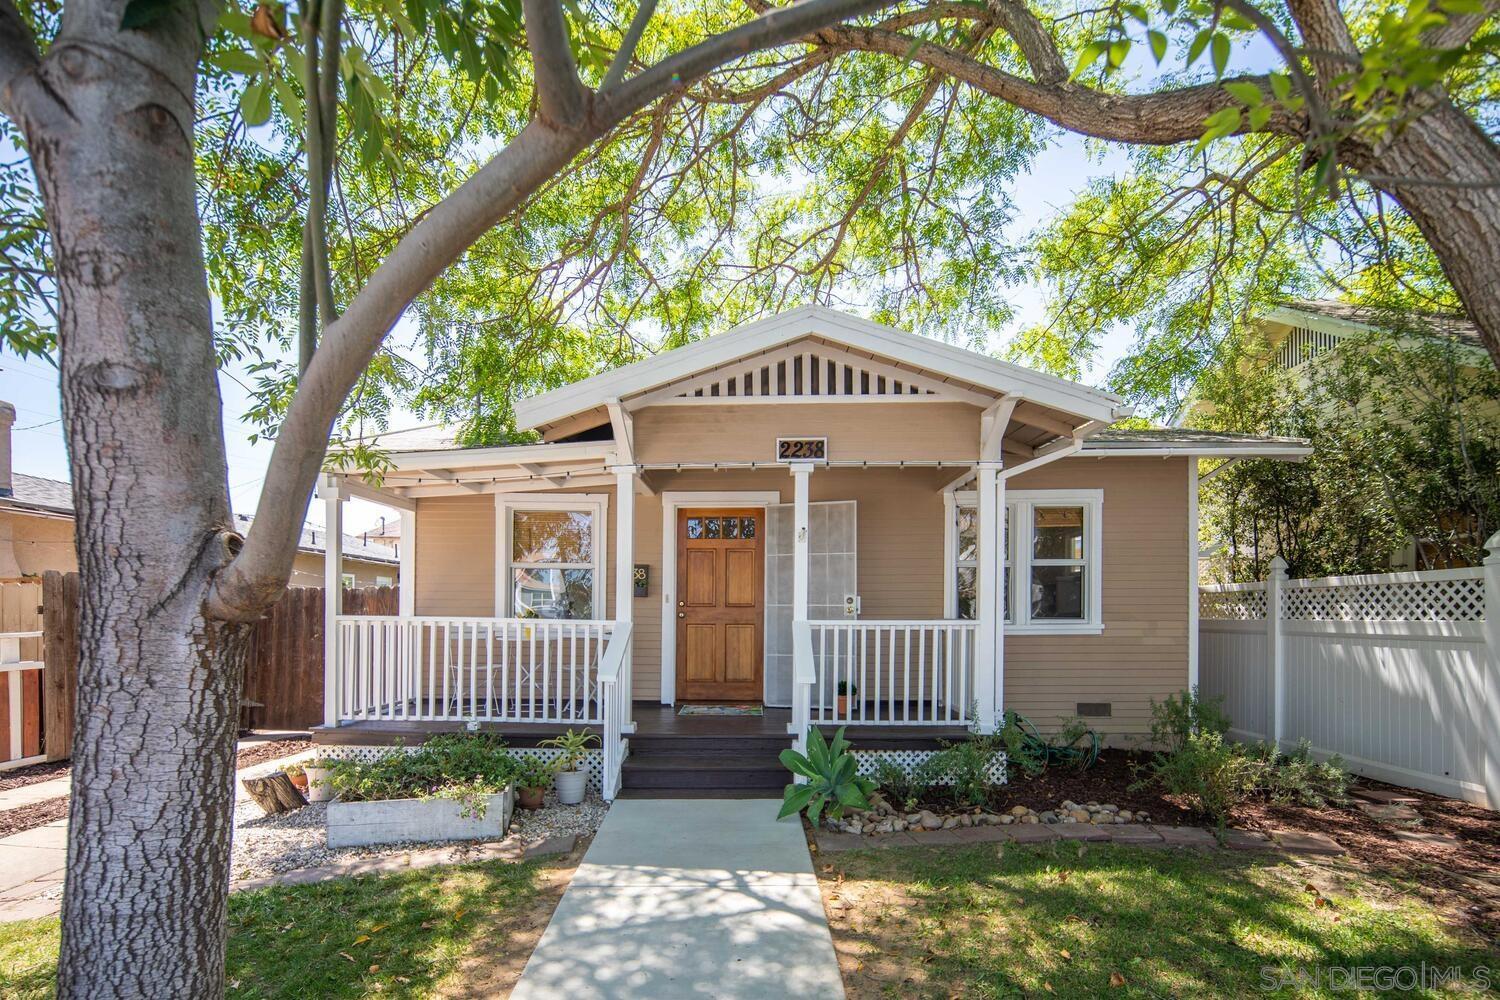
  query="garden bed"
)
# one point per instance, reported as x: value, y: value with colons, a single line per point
x: 399, y: 821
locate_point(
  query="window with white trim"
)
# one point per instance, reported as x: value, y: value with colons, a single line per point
x: 551, y: 557
x: 1050, y: 562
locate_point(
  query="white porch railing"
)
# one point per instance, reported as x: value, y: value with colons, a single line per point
x: 614, y: 694
x: 894, y: 673
x: 472, y: 669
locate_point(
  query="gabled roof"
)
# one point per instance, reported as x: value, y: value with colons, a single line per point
x: 970, y: 374
x: 314, y: 540
x: 1346, y: 318
x: 39, y: 493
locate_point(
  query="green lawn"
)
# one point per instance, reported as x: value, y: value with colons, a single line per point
x: 393, y: 936
x: 1119, y: 922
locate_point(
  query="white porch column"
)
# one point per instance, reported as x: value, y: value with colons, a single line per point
x: 333, y: 594
x: 1192, y: 616
x: 408, y: 545
x: 989, y: 639
x: 625, y: 480
x: 801, y: 568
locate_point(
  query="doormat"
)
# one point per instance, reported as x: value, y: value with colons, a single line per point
x: 722, y: 710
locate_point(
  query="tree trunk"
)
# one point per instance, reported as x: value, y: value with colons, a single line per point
x: 1461, y: 218
x: 158, y: 682
x: 274, y: 793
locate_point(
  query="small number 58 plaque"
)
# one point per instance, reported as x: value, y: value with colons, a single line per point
x: 801, y: 449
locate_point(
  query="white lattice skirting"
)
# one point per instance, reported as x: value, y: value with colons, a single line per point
x: 593, y: 761
x: 867, y: 761
x: 1398, y: 600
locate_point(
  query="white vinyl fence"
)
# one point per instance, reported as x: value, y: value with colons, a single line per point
x: 1398, y: 673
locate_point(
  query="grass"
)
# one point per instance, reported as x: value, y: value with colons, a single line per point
x: 401, y: 935
x: 1121, y: 922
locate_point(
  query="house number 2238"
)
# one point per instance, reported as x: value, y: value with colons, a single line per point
x: 801, y: 449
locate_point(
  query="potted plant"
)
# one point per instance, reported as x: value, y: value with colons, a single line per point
x: 298, y: 776
x: 571, y: 781
x: 846, y: 688
x: 533, y: 778
x: 317, y: 772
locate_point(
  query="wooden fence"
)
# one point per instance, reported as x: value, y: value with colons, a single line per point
x: 20, y: 671
x: 283, y: 678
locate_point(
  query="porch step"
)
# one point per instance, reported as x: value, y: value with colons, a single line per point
x: 737, y: 746
x: 702, y: 772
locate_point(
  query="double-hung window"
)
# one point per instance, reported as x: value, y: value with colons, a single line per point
x: 551, y: 553
x: 1049, y: 565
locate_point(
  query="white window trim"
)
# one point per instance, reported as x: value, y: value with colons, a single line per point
x: 1020, y: 503
x: 596, y: 504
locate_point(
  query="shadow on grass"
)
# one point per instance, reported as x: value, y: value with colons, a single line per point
x: 1056, y: 919
x: 392, y: 935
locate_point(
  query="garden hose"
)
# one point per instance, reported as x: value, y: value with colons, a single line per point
x: 1080, y: 756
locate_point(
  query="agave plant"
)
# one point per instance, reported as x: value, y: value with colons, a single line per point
x: 831, y: 781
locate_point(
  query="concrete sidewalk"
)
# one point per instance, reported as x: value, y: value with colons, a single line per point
x: 689, y: 898
x: 32, y: 861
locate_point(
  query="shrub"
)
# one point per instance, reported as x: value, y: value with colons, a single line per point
x: 1185, y: 713
x: 1298, y: 779
x: 967, y: 768
x: 534, y: 772
x: 902, y: 785
x: 1212, y: 775
x: 574, y: 747
x: 832, y: 782
x: 467, y: 768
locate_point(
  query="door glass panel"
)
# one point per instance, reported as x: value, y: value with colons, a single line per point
x: 731, y: 527
x: 747, y: 527
x: 695, y: 527
x: 711, y: 527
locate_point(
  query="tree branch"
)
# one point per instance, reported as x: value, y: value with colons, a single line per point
x: 1325, y: 34
x: 257, y: 576
x: 628, y: 44
x: 1460, y: 28
x: 559, y: 93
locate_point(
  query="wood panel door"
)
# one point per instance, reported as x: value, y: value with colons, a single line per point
x: 720, y: 604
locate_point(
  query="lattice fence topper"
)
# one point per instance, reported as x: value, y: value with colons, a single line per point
x: 1235, y: 605
x: 1455, y: 600
x: 593, y: 761
x: 867, y: 761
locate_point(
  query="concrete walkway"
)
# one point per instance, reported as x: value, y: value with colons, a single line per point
x: 689, y: 898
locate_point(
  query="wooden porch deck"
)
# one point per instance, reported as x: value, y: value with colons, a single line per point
x: 653, y: 720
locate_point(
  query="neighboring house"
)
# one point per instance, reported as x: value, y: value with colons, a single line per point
x: 36, y: 532
x: 804, y: 507
x: 361, y: 564
x: 36, y: 516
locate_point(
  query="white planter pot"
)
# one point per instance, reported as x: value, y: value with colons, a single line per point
x: 318, y: 788
x: 570, y: 787
x: 394, y: 821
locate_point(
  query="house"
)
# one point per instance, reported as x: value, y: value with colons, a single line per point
x: 36, y: 532
x: 755, y: 524
x: 360, y: 564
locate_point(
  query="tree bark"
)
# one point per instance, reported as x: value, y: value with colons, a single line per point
x: 274, y: 793
x: 1460, y: 214
x: 108, y: 117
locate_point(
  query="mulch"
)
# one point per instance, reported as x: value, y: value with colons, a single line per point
x: 1465, y: 878
x: 37, y: 814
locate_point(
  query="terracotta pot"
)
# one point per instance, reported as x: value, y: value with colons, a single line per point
x: 530, y: 798
x: 843, y: 706
x: 300, y: 780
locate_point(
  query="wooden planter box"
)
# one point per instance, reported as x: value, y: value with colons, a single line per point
x: 393, y: 821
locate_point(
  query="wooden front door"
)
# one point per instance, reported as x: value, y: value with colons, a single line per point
x: 720, y: 604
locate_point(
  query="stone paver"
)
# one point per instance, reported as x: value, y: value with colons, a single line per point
x: 1186, y: 836
x: 689, y: 898
x: 1300, y: 842
x: 1247, y: 840
x: 1442, y: 841
x: 1383, y: 795
x: 1389, y: 812
x: 1083, y: 831
x: 1135, y: 834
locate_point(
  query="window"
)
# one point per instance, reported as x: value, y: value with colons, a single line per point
x: 1049, y: 564
x: 551, y: 556
x: 384, y: 581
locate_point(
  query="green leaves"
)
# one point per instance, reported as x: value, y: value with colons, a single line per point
x: 832, y: 783
x: 255, y: 103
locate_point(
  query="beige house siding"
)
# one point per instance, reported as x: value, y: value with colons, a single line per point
x: 31, y: 544
x: 1141, y: 654
x: 748, y: 432
x: 307, y: 571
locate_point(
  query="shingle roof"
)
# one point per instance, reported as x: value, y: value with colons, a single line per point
x: 1163, y: 436
x: 315, y: 540
x: 1458, y: 327
x: 41, y: 493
